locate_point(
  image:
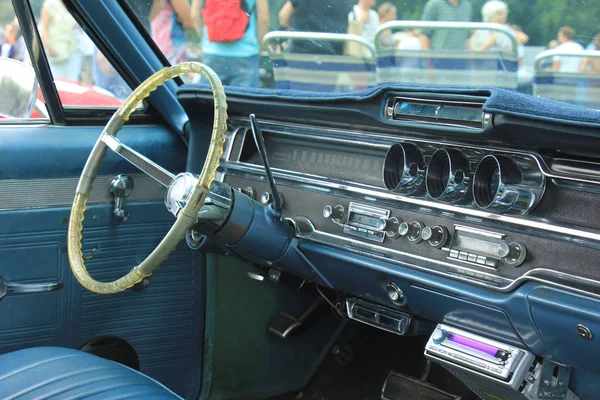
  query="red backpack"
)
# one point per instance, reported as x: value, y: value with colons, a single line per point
x: 225, y: 20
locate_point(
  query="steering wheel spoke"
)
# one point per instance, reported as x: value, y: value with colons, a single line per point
x: 146, y: 165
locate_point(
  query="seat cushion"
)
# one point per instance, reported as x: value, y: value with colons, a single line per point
x: 60, y: 373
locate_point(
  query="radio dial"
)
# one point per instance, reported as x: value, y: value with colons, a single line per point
x: 513, y: 253
x: 390, y: 226
x: 336, y: 213
x: 438, y: 335
x: 412, y: 231
x: 437, y: 236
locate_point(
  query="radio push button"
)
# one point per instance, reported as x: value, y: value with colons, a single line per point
x: 336, y: 213
x: 437, y: 236
x: 411, y: 230
x: 391, y: 226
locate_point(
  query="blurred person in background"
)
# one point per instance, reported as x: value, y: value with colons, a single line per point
x: 566, y: 44
x: 387, y: 12
x: 495, y: 11
x: 232, y: 48
x: 168, y: 21
x: 521, y: 51
x: 363, y: 20
x: 330, y: 16
x: 10, y: 48
x: 592, y: 64
x: 446, y: 11
x: 60, y: 42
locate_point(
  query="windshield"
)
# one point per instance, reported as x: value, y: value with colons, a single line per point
x: 546, y: 48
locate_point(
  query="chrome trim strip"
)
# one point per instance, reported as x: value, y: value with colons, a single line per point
x: 247, y: 170
x: 477, y: 231
x: 505, y: 285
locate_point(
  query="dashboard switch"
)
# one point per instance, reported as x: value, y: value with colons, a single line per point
x: 411, y: 230
x: 390, y: 226
x: 336, y: 213
x: 437, y: 236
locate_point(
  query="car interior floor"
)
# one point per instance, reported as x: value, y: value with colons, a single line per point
x: 363, y: 357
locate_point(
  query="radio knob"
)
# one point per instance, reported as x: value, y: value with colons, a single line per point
x: 391, y: 226
x: 437, y: 236
x: 513, y: 253
x: 412, y: 231
x: 336, y: 213
x: 438, y: 335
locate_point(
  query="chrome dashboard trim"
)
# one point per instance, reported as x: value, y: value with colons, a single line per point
x: 369, y: 192
x: 386, y: 140
x: 550, y: 229
x: 505, y: 285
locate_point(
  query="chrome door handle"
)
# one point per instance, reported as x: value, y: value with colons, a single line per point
x: 22, y: 288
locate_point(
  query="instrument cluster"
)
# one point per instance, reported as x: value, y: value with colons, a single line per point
x: 495, y: 182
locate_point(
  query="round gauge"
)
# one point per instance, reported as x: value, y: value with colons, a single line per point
x: 494, y: 180
x: 446, y: 176
x: 493, y: 175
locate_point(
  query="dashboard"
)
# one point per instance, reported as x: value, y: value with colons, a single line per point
x: 446, y: 221
x: 476, y: 214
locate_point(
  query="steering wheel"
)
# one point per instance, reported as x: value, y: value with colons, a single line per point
x: 186, y: 216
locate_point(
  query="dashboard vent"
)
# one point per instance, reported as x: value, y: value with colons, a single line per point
x: 466, y: 114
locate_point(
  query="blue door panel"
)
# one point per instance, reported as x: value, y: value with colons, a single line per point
x: 164, y: 322
x: 39, y: 151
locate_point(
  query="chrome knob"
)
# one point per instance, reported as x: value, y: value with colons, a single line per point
x: 438, y: 335
x: 266, y: 198
x: 412, y: 231
x: 336, y: 213
x: 503, y: 250
x: 513, y: 253
x: 394, y: 293
x: 437, y: 236
x: 391, y: 226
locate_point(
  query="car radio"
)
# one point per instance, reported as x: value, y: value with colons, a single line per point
x: 485, y: 248
x: 364, y: 221
x: 499, y: 361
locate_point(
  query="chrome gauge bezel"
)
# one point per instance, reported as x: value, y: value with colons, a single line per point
x: 403, y: 169
x: 520, y: 188
x: 448, y: 176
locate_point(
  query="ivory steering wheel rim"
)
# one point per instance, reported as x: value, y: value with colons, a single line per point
x: 186, y: 218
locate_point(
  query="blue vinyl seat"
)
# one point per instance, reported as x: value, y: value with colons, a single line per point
x: 59, y: 373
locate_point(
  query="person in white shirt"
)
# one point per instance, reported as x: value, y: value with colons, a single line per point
x: 363, y: 20
x: 567, y: 64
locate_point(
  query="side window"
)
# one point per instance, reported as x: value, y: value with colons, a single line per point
x: 21, y: 97
x: 82, y: 75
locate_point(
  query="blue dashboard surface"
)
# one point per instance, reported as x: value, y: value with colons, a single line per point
x: 498, y: 100
x: 533, y: 316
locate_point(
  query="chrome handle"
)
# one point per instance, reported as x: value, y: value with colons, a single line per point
x: 121, y: 187
x: 23, y: 288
